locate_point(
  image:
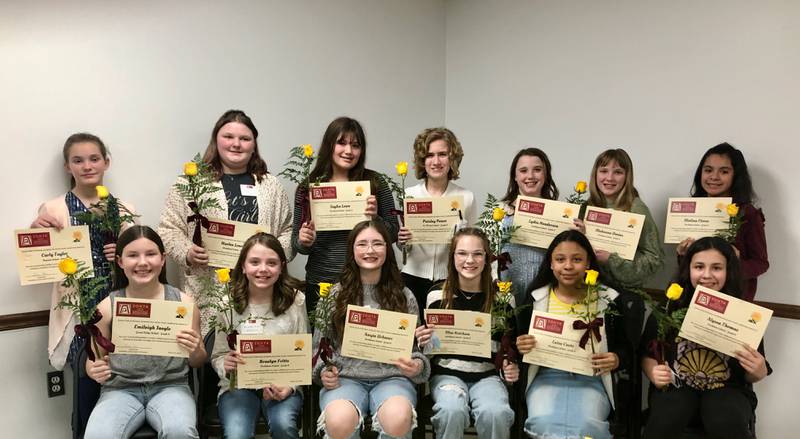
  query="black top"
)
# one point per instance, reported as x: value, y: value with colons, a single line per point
x: 241, y: 207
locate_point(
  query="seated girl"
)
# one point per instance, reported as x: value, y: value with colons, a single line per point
x: 564, y: 404
x: 267, y: 301
x: 698, y: 381
x: 352, y: 387
x: 463, y: 385
x: 139, y: 388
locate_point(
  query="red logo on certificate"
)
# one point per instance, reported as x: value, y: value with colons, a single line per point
x: 216, y: 228
x: 713, y: 303
x: 256, y: 347
x: 533, y: 207
x: 420, y: 207
x: 37, y: 239
x: 441, y: 319
x: 363, y: 318
x: 598, y: 217
x: 323, y: 193
x: 683, y: 207
x: 132, y: 309
x: 547, y: 324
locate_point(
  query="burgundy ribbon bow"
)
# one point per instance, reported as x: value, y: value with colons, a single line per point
x: 89, y: 330
x: 656, y: 348
x: 399, y: 213
x: 199, y: 220
x: 324, y: 352
x: 591, y: 327
x: 232, y: 339
x: 506, y: 352
x: 503, y: 259
x: 305, y: 208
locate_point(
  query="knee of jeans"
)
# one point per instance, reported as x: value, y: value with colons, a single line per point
x: 177, y: 430
x: 494, y: 414
x: 321, y: 426
x: 236, y: 429
x: 397, y: 428
x: 282, y: 426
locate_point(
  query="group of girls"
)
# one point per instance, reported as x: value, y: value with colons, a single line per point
x: 361, y: 264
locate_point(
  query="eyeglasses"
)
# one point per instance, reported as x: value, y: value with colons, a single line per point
x: 476, y: 256
x: 377, y: 246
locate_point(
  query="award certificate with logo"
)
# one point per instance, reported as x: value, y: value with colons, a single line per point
x: 614, y: 231
x: 462, y: 332
x: 558, y: 345
x: 378, y: 335
x: 149, y: 327
x: 40, y: 250
x: 433, y: 220
x: 540, y: 220
x: 224, y: 240
x: 284, y: 360
x: 695, y: 218
x: 723, y: 323
x: 338, y: 206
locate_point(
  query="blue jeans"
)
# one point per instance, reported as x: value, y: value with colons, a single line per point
x: 567, y: 405
x: 168, y: 408
x: 367, y: 396
x: 239, y: 409
x: 488, y: 398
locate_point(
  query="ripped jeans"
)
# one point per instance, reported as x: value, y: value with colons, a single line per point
x: 367, y: 396
x: 486, y: 399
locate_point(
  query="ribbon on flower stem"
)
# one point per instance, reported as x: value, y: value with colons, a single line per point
x: 88, y: 330
x: 592, y: 327
x: 198, y: 220
x: 324, y: 352
x: 506, y: 351
x: 503, y: 259
x: 232, y: 340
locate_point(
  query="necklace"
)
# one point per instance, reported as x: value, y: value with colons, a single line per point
x: 470, y: 296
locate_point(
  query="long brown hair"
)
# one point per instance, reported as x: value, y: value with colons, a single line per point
x: 82, y: 138
x: 451, y: 284
x: 256, y: 166
x: 628, y: 192
x: 549, y: 189
x: 323, y: 168
x: 285, y: 288
x: 389, y: 290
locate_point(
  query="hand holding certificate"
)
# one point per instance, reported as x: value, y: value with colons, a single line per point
x: 224, y: 241
x: 540, y: 220
x: 283, y: 360
x: 340, y: 205
x: 433, y: 220
x: 461, y: 332
x: 378, y: 335
x: 723, y: 323
x: 695, y: 218
x: 558, y: 344
x: 150, y: 327
x: 614, y: 231
x: 40, y: 250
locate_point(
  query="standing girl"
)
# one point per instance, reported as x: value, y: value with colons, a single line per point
x: 722, y: 172
x: 352, y: 387
x: 139, y: 388
x: 564, y: 404
x: 86, y: 159
x: 267, y: 301
x: 437, y: 157
x: 611, y: 186
x: 342, y: 157
x: 245, y: 192
x: 463, y: 385
x: 530, y: 175
x: 706, y: 383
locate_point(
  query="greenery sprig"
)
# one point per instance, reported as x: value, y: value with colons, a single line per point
x: 491, y: 222
x: 197, y: 187
x: 735, y: 222
x: 107, y: 214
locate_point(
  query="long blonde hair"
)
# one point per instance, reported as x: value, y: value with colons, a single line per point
x: 627, y: 194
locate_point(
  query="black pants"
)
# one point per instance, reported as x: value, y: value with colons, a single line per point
x: 88, y: 392
x: 725, y: 413
x: 420, y: 287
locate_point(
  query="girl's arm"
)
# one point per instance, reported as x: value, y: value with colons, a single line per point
x: 99, y: 370
x: 385, y: 206
x: 173, y: 228
x: 297, y: 247
x: 282, y: 228
x: 191, y: 339
x: 649, y: 256
x: 752, y: 244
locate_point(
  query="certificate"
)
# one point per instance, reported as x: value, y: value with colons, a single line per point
x: 339, y: 206
x: 614, y: 231
x: 283, y: 360
x: 433, y: 220
x: 540, y: 220
x: 40, y: 250
x: 462, y: 332
x: 695, y: 218
x: 378, y: 335
x: 224, y: 240
x: 149, y: 327
x: 558, y: 344
x: 723, y: 323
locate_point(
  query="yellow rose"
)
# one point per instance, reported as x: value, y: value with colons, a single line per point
x: 308, y: 151
x: 591, y: 277
x: 190, y: 169
x: 324, y: 289
x: 674, y: 292
x: 580, y: 187
x: 223, y: 275
x: 498, y: 214
x: 102, y: 192
x: 402, y: 168
x: 733, y: 209
x: 504, y: 287
x: 68, y: 266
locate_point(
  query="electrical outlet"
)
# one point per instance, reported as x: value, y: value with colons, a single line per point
x: 55, y: 383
